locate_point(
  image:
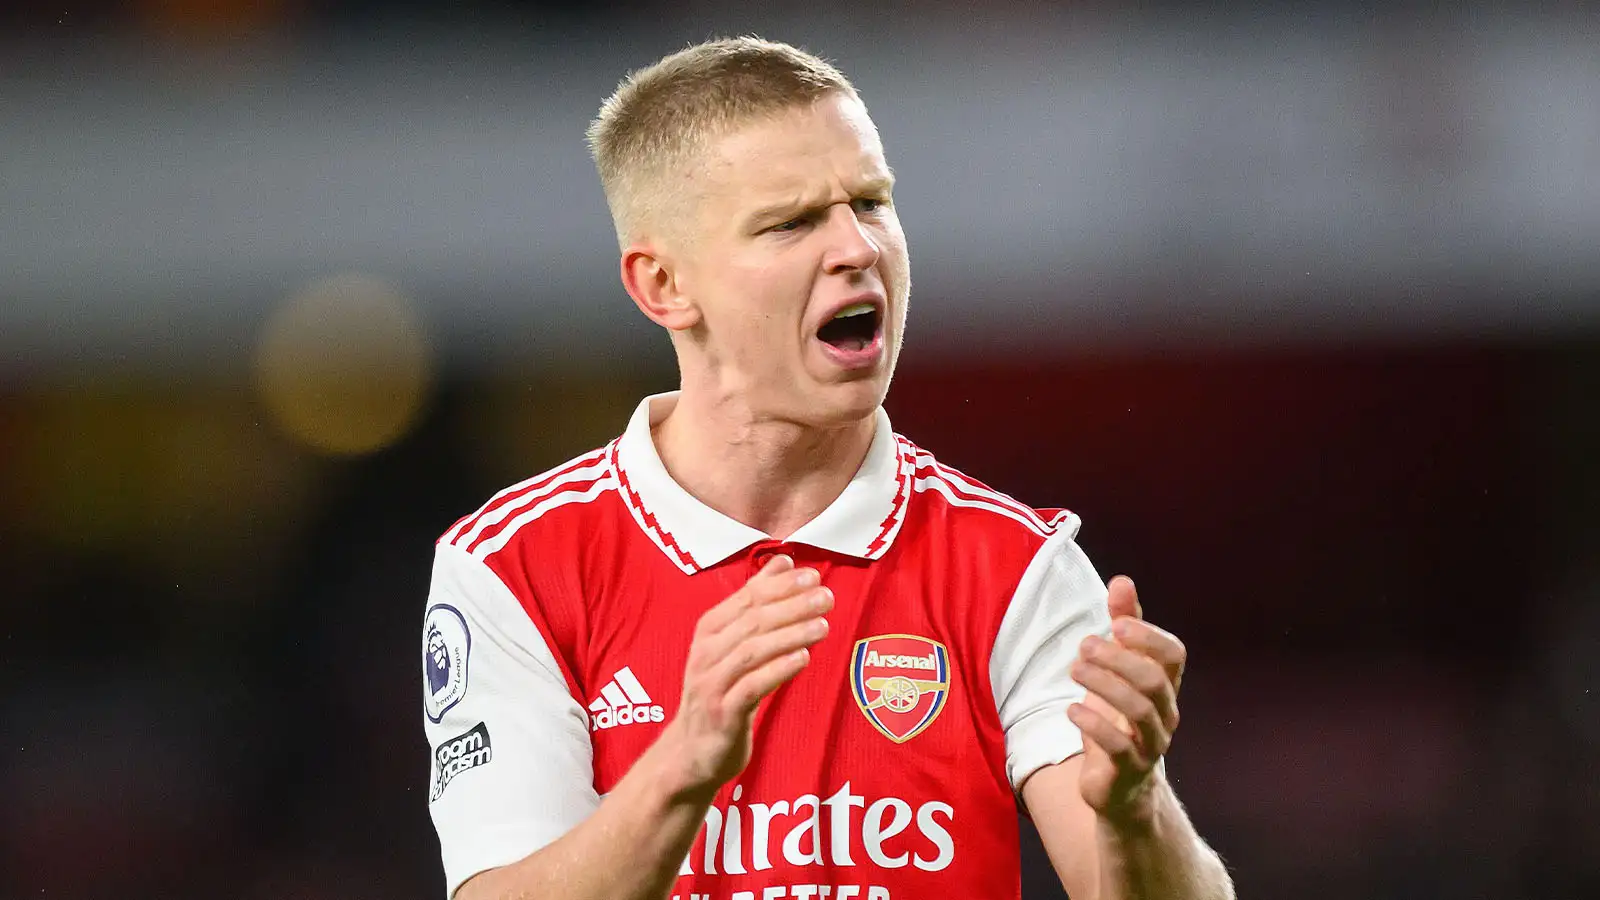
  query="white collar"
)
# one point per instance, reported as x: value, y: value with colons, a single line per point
x: 862, y: 522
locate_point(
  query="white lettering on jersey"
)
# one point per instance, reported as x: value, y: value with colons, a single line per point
x: 761, y: 820
x: 840, y: 805
x: 732, y: 858
x: 811, y: 825
x: 892, y: 661
x: 874, y: 832
x: 623, y: 701
x: 935, y: 832
x: 803, y: 892
x: 881, y: 829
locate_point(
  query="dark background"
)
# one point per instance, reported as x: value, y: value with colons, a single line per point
x: 1298, y: 306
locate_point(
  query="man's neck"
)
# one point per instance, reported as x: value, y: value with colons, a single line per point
x: 772, y: 476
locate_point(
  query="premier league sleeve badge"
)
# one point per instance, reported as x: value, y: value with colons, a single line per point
x: 900, y: 681
x: 446, y: 644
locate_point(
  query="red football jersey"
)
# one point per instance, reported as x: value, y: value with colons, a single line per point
x: 560, y: 620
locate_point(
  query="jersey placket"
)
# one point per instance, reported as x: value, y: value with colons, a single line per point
x: 762, y: 553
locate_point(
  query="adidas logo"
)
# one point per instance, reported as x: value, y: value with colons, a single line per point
x: 623, y: 701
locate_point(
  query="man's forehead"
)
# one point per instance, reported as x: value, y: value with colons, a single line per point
x: 786, y: 152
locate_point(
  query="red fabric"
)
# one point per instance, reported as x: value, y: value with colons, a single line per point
x: 606, y: 596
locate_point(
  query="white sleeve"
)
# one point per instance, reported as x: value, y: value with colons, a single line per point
x: 512, y: 766
x: 1059, y: 601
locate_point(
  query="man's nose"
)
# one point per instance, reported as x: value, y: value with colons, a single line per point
x: 852, y: 245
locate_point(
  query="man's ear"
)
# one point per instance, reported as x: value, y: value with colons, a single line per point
x: 650, y: 278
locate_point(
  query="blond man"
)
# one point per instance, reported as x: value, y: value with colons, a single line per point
x: 759, y: 645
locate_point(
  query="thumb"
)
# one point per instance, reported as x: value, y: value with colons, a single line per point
x: 1122, y: 599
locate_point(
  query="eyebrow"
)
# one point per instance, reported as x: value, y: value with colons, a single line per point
x: 793, y: 209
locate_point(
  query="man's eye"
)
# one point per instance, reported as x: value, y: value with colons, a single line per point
x: 790, y: 225
x: 868, y: 204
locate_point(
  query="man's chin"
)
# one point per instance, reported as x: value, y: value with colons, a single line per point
x: 844, y: 402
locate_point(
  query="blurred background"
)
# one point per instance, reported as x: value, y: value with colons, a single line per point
x: 1298, y: 305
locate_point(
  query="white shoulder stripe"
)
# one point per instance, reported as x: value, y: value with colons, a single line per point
x: 966, y: 485
x: 455, y: 531
x: 556, y: 501
x: 587, y: 473
x: 943, y: 487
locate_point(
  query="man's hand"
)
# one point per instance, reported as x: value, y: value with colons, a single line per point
x: 744, y: 648
x: 1111, y: 824
x: 1132, y: 709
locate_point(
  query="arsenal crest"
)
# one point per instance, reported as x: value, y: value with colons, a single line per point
x: 900, y: 681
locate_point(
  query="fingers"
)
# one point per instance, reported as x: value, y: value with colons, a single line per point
x: 778, y: 578
x: 1140, y: 712
x: 765, y: 646
x: 1135, y: 686
x: 1098, y: 730
x: 747, y: 633
x: 758, y: 638
x: 748, y: 691
x: 1122, y: 599
x: 1154, y: 642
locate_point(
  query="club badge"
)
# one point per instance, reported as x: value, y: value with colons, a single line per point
x: 900, y: 681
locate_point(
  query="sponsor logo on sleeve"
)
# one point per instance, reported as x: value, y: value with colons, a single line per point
x: 457, y: 755
x: 900, y: 681
x: 446, y: 643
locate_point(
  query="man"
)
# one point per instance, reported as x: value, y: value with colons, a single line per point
x: 760, y: 646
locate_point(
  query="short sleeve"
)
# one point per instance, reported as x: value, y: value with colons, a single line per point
x: 1059, y: 601
x: 512, y: 766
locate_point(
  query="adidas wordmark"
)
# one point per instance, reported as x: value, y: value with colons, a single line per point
x: 623, y: 701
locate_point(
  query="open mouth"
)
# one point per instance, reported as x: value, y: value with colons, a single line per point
x: 853, y: 328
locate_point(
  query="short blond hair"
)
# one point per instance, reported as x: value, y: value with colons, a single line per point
x: 662, y: 116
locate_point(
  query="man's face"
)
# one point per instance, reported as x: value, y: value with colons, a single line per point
x: 794, y: 226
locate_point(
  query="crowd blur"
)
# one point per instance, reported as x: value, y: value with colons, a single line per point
x: 1297, y: 308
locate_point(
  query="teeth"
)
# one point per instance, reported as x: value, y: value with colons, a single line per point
x: 854, y: 309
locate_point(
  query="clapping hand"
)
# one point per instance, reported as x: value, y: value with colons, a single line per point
x: 1131, y: 712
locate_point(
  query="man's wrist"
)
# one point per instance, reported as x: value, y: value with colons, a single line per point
x: 669, y: 771
x: 1152, y: 850
x: 1141, y: 816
